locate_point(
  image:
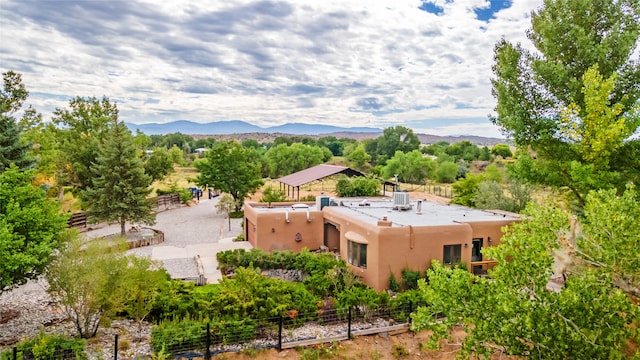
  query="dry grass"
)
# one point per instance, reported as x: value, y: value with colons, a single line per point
x: 181, y: 177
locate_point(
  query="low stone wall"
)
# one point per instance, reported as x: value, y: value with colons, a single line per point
x: 147, y: 237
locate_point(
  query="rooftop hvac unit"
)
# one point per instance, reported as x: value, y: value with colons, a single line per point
x: 401, y: 201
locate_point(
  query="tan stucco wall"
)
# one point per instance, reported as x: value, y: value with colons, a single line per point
x: 270, y: 231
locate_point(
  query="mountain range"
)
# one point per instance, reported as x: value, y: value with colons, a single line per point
x: 241, y: 127
x: 241, y: 130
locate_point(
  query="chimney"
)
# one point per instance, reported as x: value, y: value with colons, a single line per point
x: 384, y: 222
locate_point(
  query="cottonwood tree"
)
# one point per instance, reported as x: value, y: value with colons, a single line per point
x: 158, y: 164
x: 397, y: 138
x: 518, y: 310
x: 356, y: 156
x: 231, y: 168
x: 286, y: 159
x: 120, y: 187
x: 573, y: 104
x: 81, y: 131
x: 31, y: 228
x: 410, y: 167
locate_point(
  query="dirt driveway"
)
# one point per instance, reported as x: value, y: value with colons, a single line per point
x: 189, y: 232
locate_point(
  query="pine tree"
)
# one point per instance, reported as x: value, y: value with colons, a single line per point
x: 12, y: 149
x: 120, y: 187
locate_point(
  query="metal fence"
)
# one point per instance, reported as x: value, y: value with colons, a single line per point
x: 191, y: 339
x: 293, y: 330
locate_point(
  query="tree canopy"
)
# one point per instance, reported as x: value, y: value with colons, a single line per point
x: 82, y: 128
x: 574, y: 103
x: 31, y: 228
x: 397, y: 138
x: 231, y: 168
x: 285, y: 159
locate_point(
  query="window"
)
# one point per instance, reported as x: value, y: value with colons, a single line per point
x: 357, y: 254
x: 452, y: 254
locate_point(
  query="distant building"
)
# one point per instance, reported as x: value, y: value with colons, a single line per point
x: 381, y: 236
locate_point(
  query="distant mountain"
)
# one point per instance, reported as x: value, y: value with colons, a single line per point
x: 239, y: 127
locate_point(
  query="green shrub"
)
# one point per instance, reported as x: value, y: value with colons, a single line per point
x: 177, y: 336
x: 410, y: 278
x: 394, y: 285
x: 399, y: 351
x: 308, y: 198
x: 45, y: 347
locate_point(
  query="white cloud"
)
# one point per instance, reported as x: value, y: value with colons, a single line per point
x: 354, y: 63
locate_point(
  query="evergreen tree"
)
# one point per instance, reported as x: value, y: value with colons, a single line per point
x: 12, y: 148
x: 120, y: 187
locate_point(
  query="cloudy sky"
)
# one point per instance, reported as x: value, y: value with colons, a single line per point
x: 421, y: 64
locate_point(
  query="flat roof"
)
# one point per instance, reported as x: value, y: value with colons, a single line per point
x: 432, y: 213
x: 372, y: 210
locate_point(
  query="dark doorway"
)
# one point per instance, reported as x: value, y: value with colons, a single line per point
x: 476, y: 255
x: 331, y: 237
x: 476, y: 250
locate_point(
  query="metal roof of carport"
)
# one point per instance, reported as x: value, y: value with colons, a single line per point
x: 316, y: 173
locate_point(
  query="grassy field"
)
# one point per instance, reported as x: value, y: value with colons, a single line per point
x: 181, y: 178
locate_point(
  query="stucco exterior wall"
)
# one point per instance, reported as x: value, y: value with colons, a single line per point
x: 270, y: 231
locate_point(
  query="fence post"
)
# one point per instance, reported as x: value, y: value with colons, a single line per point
x: 115, y: 348
x: 15, y: 353
x: 207, y: 352
x: 280, y: 333
x: 349, y: 324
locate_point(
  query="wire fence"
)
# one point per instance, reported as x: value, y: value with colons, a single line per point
x: 202, y: 339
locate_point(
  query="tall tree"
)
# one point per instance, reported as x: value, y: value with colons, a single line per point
x: 82, y: 129
x: 158, y: 164
x: 231, y: 168
x: 31, y: 228
x: 574, y: 103
x: 12, y: 149
x: 410, y: 167
x: 286, y: 159
x: 397, y: 138
x: 120, y: 186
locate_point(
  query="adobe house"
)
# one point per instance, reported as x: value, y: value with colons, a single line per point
x: 379, y: 236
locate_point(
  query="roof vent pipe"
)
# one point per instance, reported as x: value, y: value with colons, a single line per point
x: 419, y: 207
x: 286, y: 216
x: 308, y: 215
